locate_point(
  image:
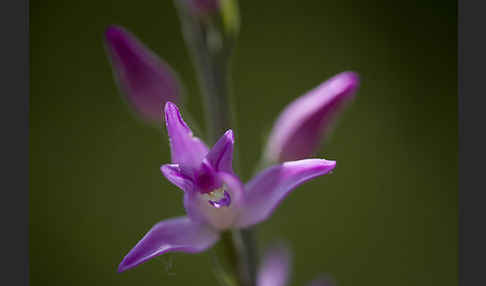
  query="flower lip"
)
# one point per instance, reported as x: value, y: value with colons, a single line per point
x: 218, y: 198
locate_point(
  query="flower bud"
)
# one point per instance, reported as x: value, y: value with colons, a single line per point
x: 146, y: 81
x: 306, y: 121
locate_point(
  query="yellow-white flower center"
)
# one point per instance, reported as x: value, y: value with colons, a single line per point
x: 215, y: 195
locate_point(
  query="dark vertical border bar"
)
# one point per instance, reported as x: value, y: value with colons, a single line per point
x: 14, y: 120
x: 472, y: 143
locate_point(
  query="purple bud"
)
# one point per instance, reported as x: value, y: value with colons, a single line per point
x: 275, y: 267
x: 147, y: 82
x: 306, y: 121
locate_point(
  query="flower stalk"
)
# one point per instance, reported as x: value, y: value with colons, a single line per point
x: 243, y: 244
x: 211, y: 47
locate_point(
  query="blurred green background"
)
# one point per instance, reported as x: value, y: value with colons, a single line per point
x: 386, y: 216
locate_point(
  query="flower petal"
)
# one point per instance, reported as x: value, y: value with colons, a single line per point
x: 264, y: 192
x: 174, y: 174
x: 200, y: 209
x: 186, y: 150
x: 274, y: 270
x: 221, y: 155
x: 146, y: 80
x: 172, y: 235
x: 307, y: 120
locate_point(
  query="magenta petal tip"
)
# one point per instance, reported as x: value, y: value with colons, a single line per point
x: 172, y: 112
x: 229, y: 134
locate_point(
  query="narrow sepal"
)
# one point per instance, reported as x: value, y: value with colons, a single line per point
x: 172, y: 235
x: 268, y: 188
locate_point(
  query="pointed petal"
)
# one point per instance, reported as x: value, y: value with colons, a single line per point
x: 186, y: 150
x: 221, y: 155
x: 174, y: 174
x: 264, y: 192
x: 305, y: 122
x: 172, y: 235
x: 199, y: 209
x: 146, y: 80
x: 274, y: 270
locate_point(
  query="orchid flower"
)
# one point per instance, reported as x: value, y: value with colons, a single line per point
x: 147, y: 82
x: 307, y: 120
x: 214, y: 198
x: 275, y: 266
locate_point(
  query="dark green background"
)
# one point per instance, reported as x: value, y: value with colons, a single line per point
x: 386, y: 216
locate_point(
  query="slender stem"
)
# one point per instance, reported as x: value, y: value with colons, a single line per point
x: 250, y: 251
x: 214, y: 75
x: 234, y: 254
x: 211, y: 52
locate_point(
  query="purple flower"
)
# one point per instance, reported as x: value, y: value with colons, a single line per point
x: 147, y: 82
x: 275, y: 267
x: 307, y: 120
x: 214, y: 198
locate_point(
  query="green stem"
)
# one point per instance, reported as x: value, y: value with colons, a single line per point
x: 214, y: 76
x: 211, y: 53
x: 234, y: 261
x: 250, y: 250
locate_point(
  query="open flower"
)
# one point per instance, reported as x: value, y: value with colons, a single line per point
x: 305, y: 122
x: 275, y: 266
x: 147, y: 82
x: 214, y: 198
